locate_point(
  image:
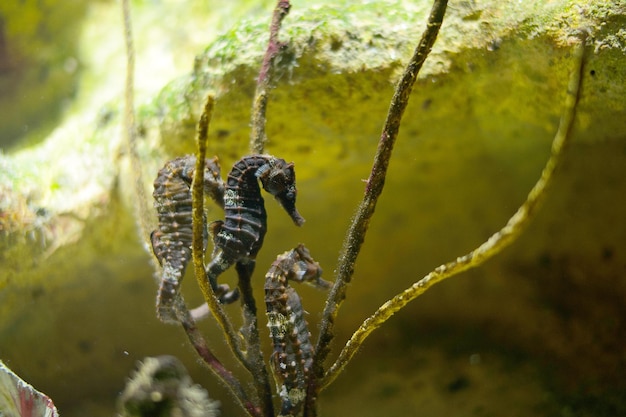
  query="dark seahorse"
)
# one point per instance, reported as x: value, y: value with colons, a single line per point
x: 240, y: 236
x: 292, y: 356
x: 171, y: 241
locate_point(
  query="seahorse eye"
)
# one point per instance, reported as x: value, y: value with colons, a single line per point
x: 186, y: 173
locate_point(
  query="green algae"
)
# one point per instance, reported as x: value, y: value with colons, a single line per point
x: 328, y: 50
x: 40, y: 65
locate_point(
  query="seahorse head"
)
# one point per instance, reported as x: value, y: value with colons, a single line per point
x: 305, y: 269
x: 184, y: 167
x: 279, y: 179
x: 213, y: 184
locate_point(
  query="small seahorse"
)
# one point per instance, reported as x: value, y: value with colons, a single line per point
x: 293, y: 353
x: 240, y: 236
x: 171, y: 241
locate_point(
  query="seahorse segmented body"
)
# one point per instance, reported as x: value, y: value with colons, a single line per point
x: 240, y: 236
x: 171, y: 241
x: 293, y: 353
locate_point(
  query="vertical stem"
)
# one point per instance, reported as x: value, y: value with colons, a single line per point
x: 197, y: 190
x: 356, y: 233
x: 130, y: 132
x: 258, y: 136
x: 251, y: 334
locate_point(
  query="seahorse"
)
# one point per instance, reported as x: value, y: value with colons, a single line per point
x: 293, y: 352
x: 240, y: 236
x: 171, y: 241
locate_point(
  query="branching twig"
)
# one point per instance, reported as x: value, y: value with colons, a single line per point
x: 498, y: 241
x: 259, y: 105
x: 356, y: 233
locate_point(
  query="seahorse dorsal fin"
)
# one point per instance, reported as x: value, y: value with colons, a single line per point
x: 154, y: 240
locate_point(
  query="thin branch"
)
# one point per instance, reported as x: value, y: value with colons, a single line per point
x: 496, y: 243
x: 356, y: 233
x: 197, y: 190
x: 202, y: 348
x: 141, y: 209
x: 258, y: 136
x: 250, y: 332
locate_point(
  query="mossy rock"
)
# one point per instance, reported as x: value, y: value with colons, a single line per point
x: 39, y: 66
x: 477, y: 132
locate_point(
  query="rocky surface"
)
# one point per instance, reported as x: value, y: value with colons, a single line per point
x: 539, y: 328
x: 39, y: 66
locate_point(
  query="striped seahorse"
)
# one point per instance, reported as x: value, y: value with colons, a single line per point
x: 292, y: 356
x: 240, y: 236
x: 171, y: 241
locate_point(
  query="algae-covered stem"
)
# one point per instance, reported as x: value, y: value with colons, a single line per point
x: 259, y: 105
x: 258, y: 138
x: 197, y: 190
x: 250, y: 331
x: 375, y: 183
x: 202, y: 348
x: 130, y: 131
x: 496, y: 243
